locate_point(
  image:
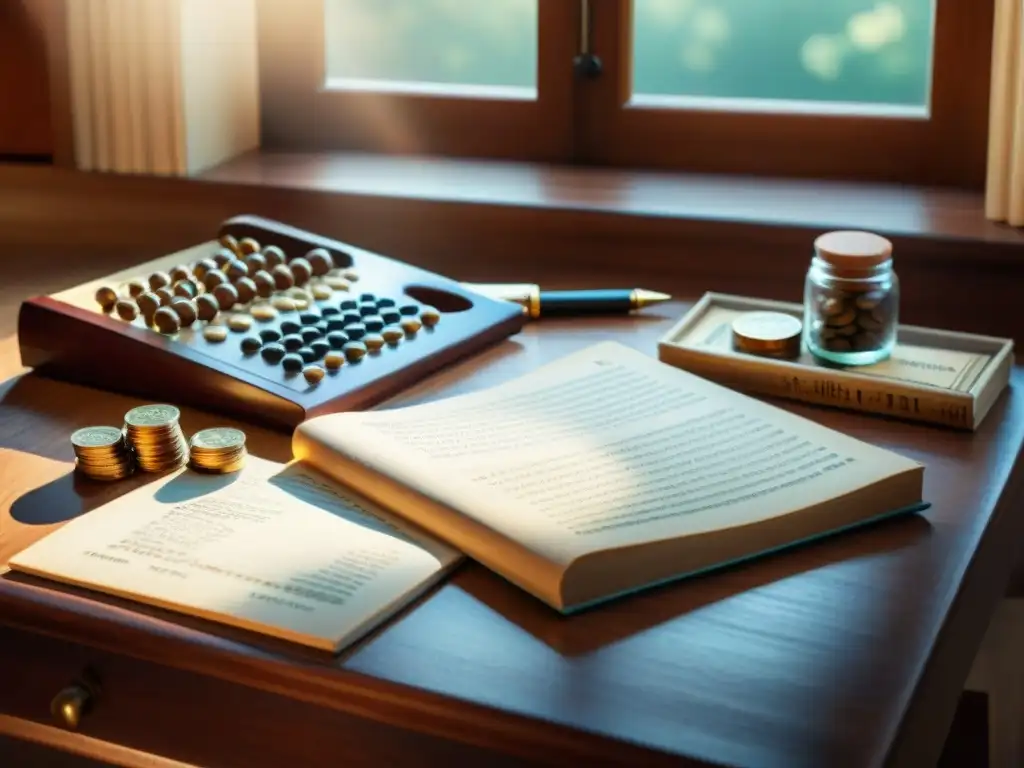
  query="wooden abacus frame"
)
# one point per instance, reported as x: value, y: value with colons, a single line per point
x: 68, y: 336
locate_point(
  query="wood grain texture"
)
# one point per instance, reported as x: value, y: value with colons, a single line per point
x: 25, y: 119
x: 851, y: 652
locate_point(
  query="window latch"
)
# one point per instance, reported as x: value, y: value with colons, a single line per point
x: 586, y: 64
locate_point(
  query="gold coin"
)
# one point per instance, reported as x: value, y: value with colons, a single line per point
x: 772, y: 334
x: 215, y: 333
x: 146, y: 416
x: 217, y: 439
x: 89, y: 438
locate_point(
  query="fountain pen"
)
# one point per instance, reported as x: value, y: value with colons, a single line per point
x: 602, y: 301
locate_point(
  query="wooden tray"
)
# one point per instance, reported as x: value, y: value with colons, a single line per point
x: 940, y: 377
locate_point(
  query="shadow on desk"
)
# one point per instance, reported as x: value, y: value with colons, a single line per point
x: 587, y: 632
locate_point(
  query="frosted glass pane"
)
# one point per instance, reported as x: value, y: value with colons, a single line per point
x: 828, y: 52
x: 476, y: 43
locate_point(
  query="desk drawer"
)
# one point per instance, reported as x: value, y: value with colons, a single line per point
x: 201, y: 720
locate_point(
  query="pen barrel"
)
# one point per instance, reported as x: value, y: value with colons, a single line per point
x: 588, y: 302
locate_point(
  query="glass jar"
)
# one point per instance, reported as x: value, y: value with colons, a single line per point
x: 851, y: 299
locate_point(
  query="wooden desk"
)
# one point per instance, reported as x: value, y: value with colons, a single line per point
x: 851, y: 652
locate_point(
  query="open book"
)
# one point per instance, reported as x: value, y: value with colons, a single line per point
x: 608, y: 471
x: 275, y: 549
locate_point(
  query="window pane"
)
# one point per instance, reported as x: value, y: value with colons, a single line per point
x: 434, y: 45
x: 860, y: 56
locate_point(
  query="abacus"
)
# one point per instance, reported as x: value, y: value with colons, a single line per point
x: 267, y: 322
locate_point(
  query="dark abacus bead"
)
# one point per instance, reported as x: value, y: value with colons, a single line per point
x: 247, y: 290
x: 264, y: 284
x: 322, y: 326
x: 292, y: 342
x: 165, y: 294
x: 366, y: 309
x: 320, y: 260
x: 201, y: 267
x: 136, y: 288
x: 255, y: 262
x: 186, y: 289
x: 207, y: 307
x: 226, y: 295
x: 236, y: 270
x: 355, y: 331
x: 337, y: 339
x: 335, y: 324
x: 273, y: 353
x: 311, y: 334
x: 159, y: 280
x: 351, y: 316
x: 214, y: 278
x: 307, y: 354
x: 321, y: 348
x: 348, y: 304
x: 409, y: 310
x: 290, y: 327
x: 373, y: 324
x: 180, y: 273
x: 248, y: 245
x: 251, y: 345
x: 269, y: 335
x: 224, y: 256
x: 329, y: 311
x: 292, y: 363
x: 301, y: 270
x: 391, y: 316
x: 273, y: 256
x: 283, y: 277
x: 309, y: 318
x: 367, y: 297
x: 385, y: 302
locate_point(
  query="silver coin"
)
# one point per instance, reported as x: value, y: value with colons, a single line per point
x: 96, y: 437
x: 152, y: 416
x: 218, y: 437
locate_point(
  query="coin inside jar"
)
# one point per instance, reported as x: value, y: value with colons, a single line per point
x: 771, y: 334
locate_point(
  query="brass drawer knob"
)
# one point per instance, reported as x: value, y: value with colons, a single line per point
x: 70, y: 705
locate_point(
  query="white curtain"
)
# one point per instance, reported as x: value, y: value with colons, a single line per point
x: 1004, y: 196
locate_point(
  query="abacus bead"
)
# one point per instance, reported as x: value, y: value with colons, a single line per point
x: 367, y: 308
x: 392, y: 335
x: 334, y: 360
x: 355, y: 331
x: 203, y: 266
x: 320, y: 261
x: 283, y: 277
x: 384, y: 302
x: 251, y: 345
x: 301, y: 271
x: 307, y: 354
x: 273, y: 256
x: 255, y: 262
x: 367, y: 298
x: 186, y: 311
x: 355, y: 351
x: 166, y: 320
x: 106, y: 298
x: 148, y: 303
x: 288, y: 327
x: 165, y: 294
x: 214, y: 278
x: 292, y: 342
x: 236, y: 270
x: 269, y: 335
x: 430, y: 316
x: 329, y: 311
x: 246, y: 290
x: 248, y: 245
x: 229, y: 242
x: 310, y: 335
x: 348, y: 304
x: 136, y: 288
x: 373, y: 323
x: 321, y: 348
x: 373, y: 341
x: 292, y: 363
x: 350, y: 316
x: 223, y: 257
x: 390, y: 316
x: 180, y: 273
x: 273, y: 353
x: 264, y: 284
x: 207, y: 307
x: 411, y: 325
x: 159, y: 280
x: 337, y: 339
x: 336, y: 324
x: 314, y: 374
x: 186, y: 289
x: 226, y: 295
x: 126, y: 310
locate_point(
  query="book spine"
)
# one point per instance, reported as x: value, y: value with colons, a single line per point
x: 831, y: 388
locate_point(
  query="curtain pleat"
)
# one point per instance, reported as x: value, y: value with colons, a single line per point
x: 1004, y: 194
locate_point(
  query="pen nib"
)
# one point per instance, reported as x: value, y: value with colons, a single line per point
x: 644, y: 298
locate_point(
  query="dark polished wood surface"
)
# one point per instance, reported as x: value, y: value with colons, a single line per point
x: 25, y: 112
x: 851, y: 652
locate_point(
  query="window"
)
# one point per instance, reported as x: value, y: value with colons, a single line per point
x: 867, y: 89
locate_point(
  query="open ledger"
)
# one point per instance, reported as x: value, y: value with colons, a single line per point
x: 608, y: 471
x: 276, y: 549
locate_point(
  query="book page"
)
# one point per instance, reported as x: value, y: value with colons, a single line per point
x: 606, y: 448
x: 275, y: 549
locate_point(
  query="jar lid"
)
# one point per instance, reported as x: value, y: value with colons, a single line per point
x: 853, y: 250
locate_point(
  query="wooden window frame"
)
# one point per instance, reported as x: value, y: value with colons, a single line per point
x: 590, y: 121
x: 949, y: 149
x: 297, y: 111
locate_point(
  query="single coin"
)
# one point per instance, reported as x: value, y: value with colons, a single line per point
x: 354, y: 351
x: 337, y: 283
x: 334, y: 360
x: 152, y: 416
x: 430, y: 316
x: 322, y: 292
x: 126, y: 310
x: 411, y: 325
x: 374, y: 342
x: 314, y: 374
x: 186, y: 311
x: 106, y: 297
x: 215, y: 333
x: 217, y: 439
x: 166, y: 321
x: 263, y: 313
x: 207, y: 307
x: 392, y: 334
x: 240, y: 323
x: 773, y: 334
x: 97, y: 437
x: 248, y: 245
x: 159, y: 280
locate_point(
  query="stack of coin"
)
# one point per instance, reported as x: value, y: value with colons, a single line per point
x: 102, y: 453
x: 219, y: 450
x: 155, y: 435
